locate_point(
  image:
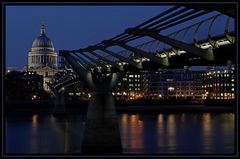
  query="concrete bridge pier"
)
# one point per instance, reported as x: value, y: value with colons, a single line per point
x: 101, y: 134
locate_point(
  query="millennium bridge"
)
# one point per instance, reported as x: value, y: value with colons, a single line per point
x: 180, y: 36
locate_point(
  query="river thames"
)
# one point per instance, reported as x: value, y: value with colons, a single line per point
x: 141, y: 133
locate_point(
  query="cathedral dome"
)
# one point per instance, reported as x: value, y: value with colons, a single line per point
x: 42, y: 41
x: 42, y: 53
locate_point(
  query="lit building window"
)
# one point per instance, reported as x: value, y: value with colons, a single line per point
x: 171, y: 88
x: 89, y: 95
x: 232, y: 89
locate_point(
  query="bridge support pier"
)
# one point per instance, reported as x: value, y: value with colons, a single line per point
x: 101, y: 134
x: 59, y: 104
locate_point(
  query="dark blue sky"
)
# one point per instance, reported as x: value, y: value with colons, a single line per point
x: 69, y: 27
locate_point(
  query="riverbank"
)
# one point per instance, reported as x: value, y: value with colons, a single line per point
x: 82, y: 109
x: 179, y: 108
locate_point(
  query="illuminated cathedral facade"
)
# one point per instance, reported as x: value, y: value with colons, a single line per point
x: 43, y: 59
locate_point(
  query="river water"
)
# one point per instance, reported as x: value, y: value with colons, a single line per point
x: 155, y: 133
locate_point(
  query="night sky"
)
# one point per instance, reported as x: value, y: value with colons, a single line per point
x: 69, y: 27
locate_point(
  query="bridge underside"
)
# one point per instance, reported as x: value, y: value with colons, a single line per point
x: 222, y: 56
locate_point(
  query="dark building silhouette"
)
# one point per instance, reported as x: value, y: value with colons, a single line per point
x: 23, y: 85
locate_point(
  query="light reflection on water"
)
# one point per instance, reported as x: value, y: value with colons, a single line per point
x: 140, y: 133
x: 132, y: 130
x: 207, y: 132
x: 177, y: 133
